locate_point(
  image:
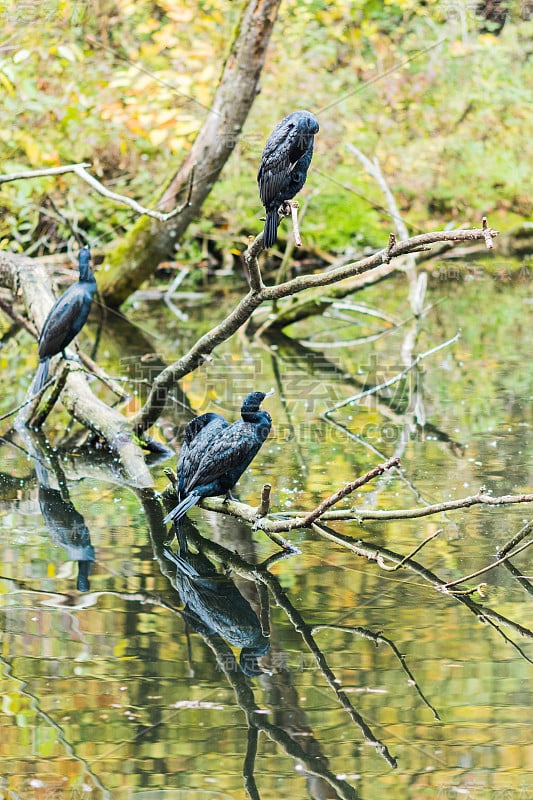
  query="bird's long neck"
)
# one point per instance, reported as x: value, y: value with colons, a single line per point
x: 251, y: 416
x: 86, y: 273
x: 255, y: 417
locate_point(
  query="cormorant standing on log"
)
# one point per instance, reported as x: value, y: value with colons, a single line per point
x: 66, y: 318
x: 217, y: 455
x: 283, y: 170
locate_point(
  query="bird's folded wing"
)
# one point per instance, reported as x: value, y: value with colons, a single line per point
x: 277, y: 161
x: 191, y: 452
x: 222, y: 455
x: 54, y: 335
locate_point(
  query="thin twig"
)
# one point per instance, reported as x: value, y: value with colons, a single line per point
x: 41, y: 173
x: 264, y: 506
x: 291, y: 244
x: 377, y: 638
x: 416, y: 289
x: 294, y: 205
x: 348, y: 489
x: 417, y: 549
x: 81, y: 172
x: 28, y: 400
x: 489, y: 567
x: 517, y: 538
x: 252, y: 264
x: 420, y: 357
x: 13, y: 314
x: 487, y: 234
x: 390, y: 246
x: 97, y: 372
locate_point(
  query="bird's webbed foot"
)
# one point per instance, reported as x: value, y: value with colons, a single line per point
x: 285, y: 209
x: 229, y: 496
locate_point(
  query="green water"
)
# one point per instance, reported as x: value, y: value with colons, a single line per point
x: 114, y: 691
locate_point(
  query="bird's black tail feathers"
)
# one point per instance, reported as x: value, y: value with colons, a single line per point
x: 270, y: 232
x: 181, y: 509
x: 182, y: 565
x: 42, y: 375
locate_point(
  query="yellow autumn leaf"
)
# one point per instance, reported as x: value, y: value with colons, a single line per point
x: 157, y: 136
x: 6, y: 83
x: 66, y: 52
x: 176, y: 144
x: 31, y: 148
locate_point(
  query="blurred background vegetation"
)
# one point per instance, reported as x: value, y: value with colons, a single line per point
x: 438, y: 93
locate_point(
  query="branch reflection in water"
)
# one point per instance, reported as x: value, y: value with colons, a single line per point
x: 205, y: 594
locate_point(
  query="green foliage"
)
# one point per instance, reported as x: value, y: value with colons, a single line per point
x: 443, y: 107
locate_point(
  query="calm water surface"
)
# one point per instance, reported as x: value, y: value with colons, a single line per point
x: 120, y: 676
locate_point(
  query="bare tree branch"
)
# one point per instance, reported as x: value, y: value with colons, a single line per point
x: 81, y: 172
x: 290, y: 521
x: 41, y: 173
x: 259, y: 293
x: 516, y: 539
x: 494, y: 564
x: 294, y: 206
x: 348, y: 489
x: 395, y: 379
x: 417, y: 284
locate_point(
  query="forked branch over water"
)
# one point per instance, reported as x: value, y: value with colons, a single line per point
x: 259, y: 293
x: 284, y: 522
x: 106, y: 421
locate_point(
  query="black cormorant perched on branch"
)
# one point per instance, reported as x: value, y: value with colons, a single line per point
x: 216, y: 454
x: 66, y: 318
x: 284, y: 164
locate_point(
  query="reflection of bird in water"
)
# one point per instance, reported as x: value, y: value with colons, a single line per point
x: 67, y: 527
x: 217, y: 454
x: 213, y: 604
x: 284, y: 164
x: 66, y: 318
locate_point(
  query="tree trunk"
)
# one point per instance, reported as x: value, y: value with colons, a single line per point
x: 149, y: 242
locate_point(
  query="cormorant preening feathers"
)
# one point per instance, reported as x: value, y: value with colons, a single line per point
x: 284, y: 164
x: 214, y: 454
x: 66, y: 318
